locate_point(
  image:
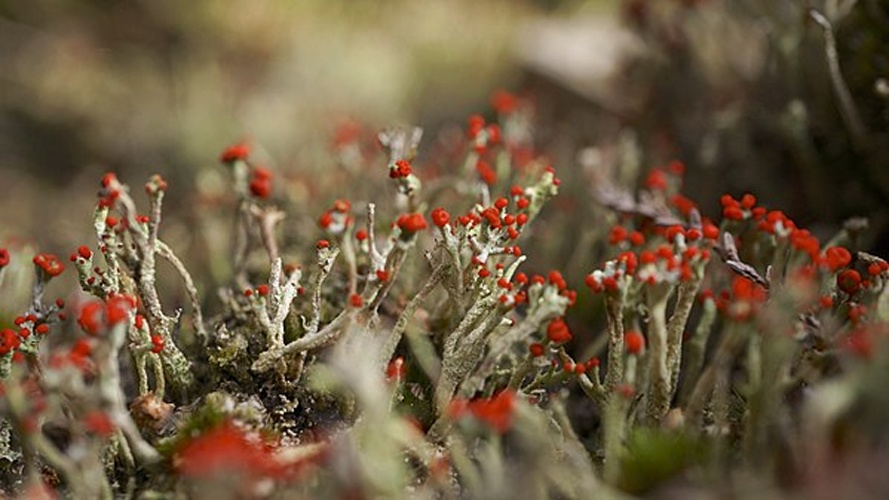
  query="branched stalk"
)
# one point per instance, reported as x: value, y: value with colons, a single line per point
x: 848, y: 110
x: 615, y: 317
x: 268, y: 218
x: 114, y: 399
x: 394, y: 337
x: 191, y: 290
x: 697, y: 346
x: 176, y: 365
x: 462, y: 352
x: 615, y: 424
x: 676, y: 327
x: 659, y: 372
x: 320, y: 338
x: 593, y: 387
x: 728, y: 348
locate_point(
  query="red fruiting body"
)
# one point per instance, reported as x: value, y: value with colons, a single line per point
x: 748, y: 201
x: 80, y: 351
x: 117, y: 309
x: 673, y: 232
x: 859, y: 343
x: 231, y: 154
x: 610, y: 283
x: 361, y: 235
x: 617, y: 235
x: 346, y: 133
x: 683, y: 204
x: 849, y: 281
x: 440, y: 217
x: 493, y: 134
x: 711, y: 232
x: 322, y: 244
x: 99, y: 423
x: 4, y: 258
x: 647, y: 257
x: 228, y: 450
x: 665, y: 252
x: 521, y: 219
x: 92, y: 318
x: 536, y: 349
x: 396, y: 370
x: 411, y: 223
x: 837, y: 257
x: 355, y: 300
x: 49, y: 264
x: 261, y: 173
x: 656, y: 180
x: 486, y: 173
x: 475, y: 125
x: 726, y: 201
x: 493, y: 217
x: 400, y: 169
x: 504, y: 102
x: 635, y: 342
x: 84, y: 252
x: 155, y: 185
x: 733, y: 213
x: 495, y: 412
x: 676, y: 168
x: 857, y: 312
x: 501, y: 203
x: 9, y: 341
x: 802, y: 240
x: 557, y: 331
x: 555, y: 277
x: 629, y: 260
x: 260, y: 188
x: 262, y: 290
x: 157, y: 344
x: 571, y: 295
x: 551, y: 170
x: 382, y: 275
x: 108, y: 179
x: 41, y: 329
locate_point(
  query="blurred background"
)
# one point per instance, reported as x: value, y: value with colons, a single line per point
x: 741, y: 91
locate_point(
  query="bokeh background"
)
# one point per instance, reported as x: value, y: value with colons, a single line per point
x: 740, y: 90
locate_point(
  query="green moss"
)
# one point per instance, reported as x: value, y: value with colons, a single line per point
x: 655, y: 456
